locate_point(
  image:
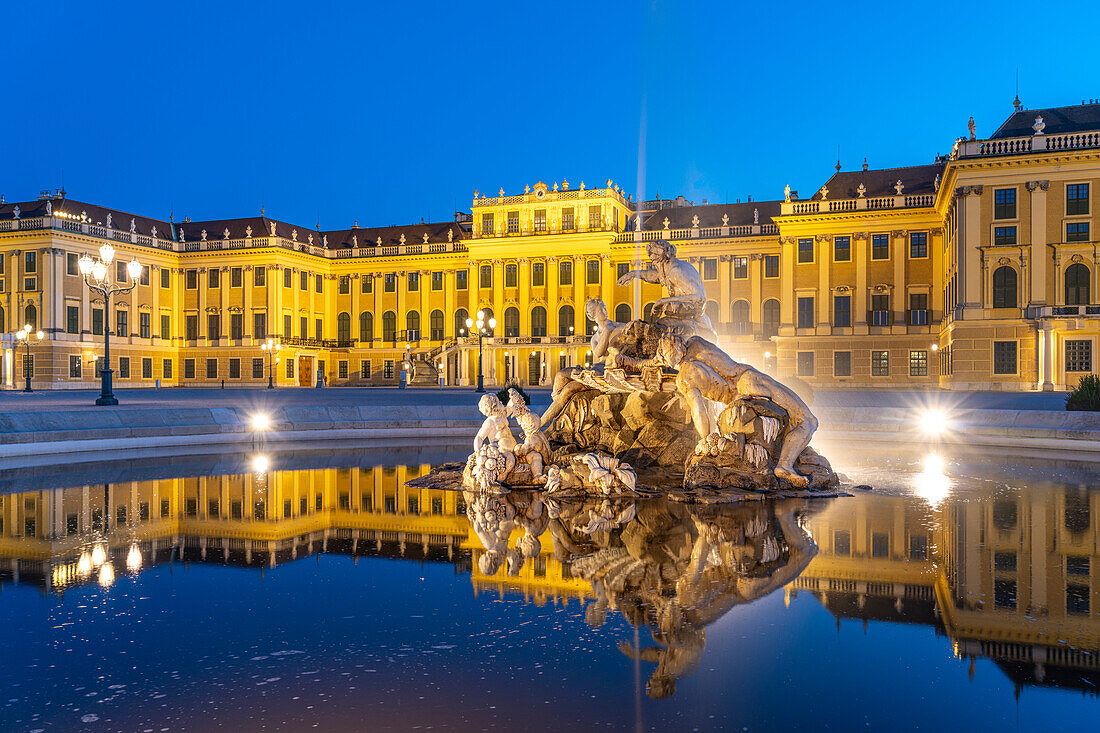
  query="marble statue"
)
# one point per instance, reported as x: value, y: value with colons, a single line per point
x: 535, y: 449
x: 682, y: 308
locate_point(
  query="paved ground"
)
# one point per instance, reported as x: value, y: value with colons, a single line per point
x: 145, y: 399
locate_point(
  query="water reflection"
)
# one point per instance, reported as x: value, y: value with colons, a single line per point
x: 1007, y: 574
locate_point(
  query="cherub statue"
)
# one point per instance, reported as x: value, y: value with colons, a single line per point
x: 535, y: 448
x: 495, y: 430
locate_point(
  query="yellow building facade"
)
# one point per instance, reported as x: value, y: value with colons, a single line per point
x: 976, y: 271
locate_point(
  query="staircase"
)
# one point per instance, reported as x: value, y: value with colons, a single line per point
x: 423, y: 371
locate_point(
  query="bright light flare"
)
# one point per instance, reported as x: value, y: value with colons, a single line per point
x: 260, y: 464
x: 99, y: 555
x: 260, y: 421
x: 932, y: 484
x: 934, y: 421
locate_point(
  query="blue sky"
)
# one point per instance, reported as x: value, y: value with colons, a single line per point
x: 387, y: 113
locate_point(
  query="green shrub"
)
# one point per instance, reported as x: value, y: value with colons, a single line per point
x: 502, y: 395
x: 1086, y: 395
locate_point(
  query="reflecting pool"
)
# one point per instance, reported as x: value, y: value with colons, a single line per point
x: 317, y: 591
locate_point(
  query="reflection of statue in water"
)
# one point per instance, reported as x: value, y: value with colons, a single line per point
x: 682, y: 310
x: 707, y: 373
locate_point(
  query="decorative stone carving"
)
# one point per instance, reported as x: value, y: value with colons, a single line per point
x: 824, y: 192
x: 823, y: 237
x: 899, y: 233
x: 725, y: 220
x: 666, y: 223
x: 1039, y: 125
x: 787, y: 194
x: 682, y: 309
x: 203, y: 235
x: 1041, y: 185
x: 272, y: 225
x: 755, y: 216
x: 108, y: 220
x: 225, y: 234
x: 695, y: 221
x: 936, y: 183
x: 248, y: 232
x: 972, y: 128
x: 1074, y: 258
x: 153, y: 231
x: 49, y: 208
x: 899, y: 187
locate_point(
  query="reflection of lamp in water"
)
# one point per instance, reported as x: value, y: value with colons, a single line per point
x: 932, y: 485
x: 107, y: 575
x: 84, y: 564
x: 260, y: 464
x: 99, y: 555
x: 133, y: 559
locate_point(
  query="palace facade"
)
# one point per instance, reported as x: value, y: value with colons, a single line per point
x: 975, y: 271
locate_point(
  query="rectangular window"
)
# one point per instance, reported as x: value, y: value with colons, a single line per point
x: 740, y: 268
x: 259, y: 326
x: 437, y: 280
x: 595, y: 216
x: 303, y: 323
x: 880, y: 363
x: 97, y: 321
x: 211, y: 368
x: 805, y: 363
x: 880, y: 310
x: 236, y: 277
x: 1004, y: 236
x: 1004, y: 203
x: 710, y: 268
x: 364, y: 369
x: 390, y: 283
x: 1004, y: 561
x: 320, y: 283
x: 461, y: 278
x: 1077, y: 232
x: 288, y: 278
x: 567, y: 219
x: 918, y: 245
x: 1077, y: 565
x: 165, y: 326
x: 213, y: 278
x: 485, y: 277
x: 72, y: 264
x: 540, y: 220
x: 1004, y: 593
x: 188, y: 368
x: 259, y: 276
x: 318, y: 329
x: 1004, y: 357
x: 213, y: 326
x: 290, y: 369
x: 146, y: 368
x: 191, y: 279
x: 166, y: 368
x: 257, y: 367
x: 345, y: 284
x: 387, y: 369
x: 806, y: 312
x: 30, y: 264
x: 75, y: 365
x: 511, y: 275
x: 72, y: 319
x: 842, y: 311
x: 303, y: 281
x: 1077, y: 600
x: 124, y: 367
x: 234, y: 369
x: 236, y: 326
x: 487, y: 228
x: 1077, y: 199
x: 880, y: 246
x: 771, y: 265
x: 918, y: 309
x: 122, y: 324
x: 842, y: 543
x: 805, y: 250
x: 342, y: 369
x: 165, y: 277
x: 287, y: 321
x: 842, y: 363
x: 918, y: 363
x: 413, y: 282
x: 30, y: 283
x: 842, y: 249
x: 1078, y: 355
x: 145, y: 327
x: 593, y: 272
x: 565, y: 272
x: 513, y: 222
x: 191, y: 328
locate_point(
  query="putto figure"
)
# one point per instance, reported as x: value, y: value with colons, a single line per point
x: 682, y: 309
x: 535, y: 448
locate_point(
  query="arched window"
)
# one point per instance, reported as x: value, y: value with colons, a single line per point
x: 30, y: 317
x: 770, y: 317
x: 711, y: 310
x: 565, y: 272
x: 565, y: 320
x: 389, y: 326
x: 436, y: 325
x: 1077, y: 285
x: 589, y: 325
x: 412, y: 325
x: 538, y: 321
x: 511, y: 322
x: 460, y: 323
x: 366, y: 326
x: 3, y: 323
x: 647, y: 313
x: 486, y: 316
x: 343, y: 327
x: 622, y: 313
x: 1004, y: 287
x: 739, y: 315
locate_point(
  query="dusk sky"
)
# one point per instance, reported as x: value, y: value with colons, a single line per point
x: 387, y: 113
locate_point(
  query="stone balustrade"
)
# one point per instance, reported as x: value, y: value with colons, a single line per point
x: 832, y: 206
x: 653, y: 235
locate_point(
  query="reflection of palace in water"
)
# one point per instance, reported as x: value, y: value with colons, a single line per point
x: 1009, y: 575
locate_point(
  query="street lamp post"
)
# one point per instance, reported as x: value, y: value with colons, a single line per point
x: 271, y: 348
x: 483, y: 329
x: 97, y: 276
x: 24, y: 335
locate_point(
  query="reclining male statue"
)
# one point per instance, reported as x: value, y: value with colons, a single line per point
x: 705, y: 371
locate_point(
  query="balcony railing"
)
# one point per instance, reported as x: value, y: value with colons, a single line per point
x: 1026, y: 144
x: 832, y: 206
x: 1064, y: 311
x: 653, y: 235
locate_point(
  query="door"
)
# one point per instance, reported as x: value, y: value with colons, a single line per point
x: 305, y: 371
x: 534, y: 369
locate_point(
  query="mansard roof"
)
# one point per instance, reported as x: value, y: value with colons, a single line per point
x: 881, y: 182
x: 1075, y: 118
x: 682, y: 217
x: 239, y: 229
x: 391, y: 236
x: 96, y: 214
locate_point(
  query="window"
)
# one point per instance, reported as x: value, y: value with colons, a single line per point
x: 213, y: 277
x: 303, y: 281
x: 880, y: 544
x: 460, y: 321
x: 144, y: 325
x: 511, y: 275
x: 1004, y: 593
x: 437, y: 280
x: 191, y: 279
x: 880, y: 310
x: 389, y: 326
x: 30, y: 264
x: 1077, y: 232
x: 122, y: 323
x: 710, y: 268
x: 318, y: 329
x: 287, y: 321
x: 344, y: 284
x: 288, y: 278
x: 191, y: 328
x: 364, y: 369
x: 165, y: 326
x: 1077, y: 284
x: 805, y: 363
x: 918, y: 309
x: 1004, y: 236
x: 513, y: 222
x: 387, y: 369
x: 622, y: 313
x: 540, y: 220
x: 1004, y: 287
x: 739, y: 316
x: 290, y: 369
x: 805, y: 250
x: 72, y: 319
x: 211, y: 368
x: 593, y: 276
x: 366, y: 326
x: 842, y: 363
x: 188, y: 368
x: 390, y: 283
x: 435, y: 322
x: 165, y: 277
x: 124, y: 367
x: 595, y: 216
x: 567, y: 219
x: 487, y: 227
x: 842, y: 543
x: 770, y: 316
x: 366, y: 284
x: 75, y: 364
x: 72, y: 264
x: 880, y: 246
x: 213, y: 327
x: 485, y: 278
x: 565, y: 320
x: 806, y: 312
x: 1004, y: 561
x: 565, y: 272
x: 166, y: 368
x: 236, y: 325
x: 342, y: 369
x: 918, y: 245
x: 259, y: 326
x: 771, y: 265
x: 1077, y: 199
x: 414, y: 282
x: 259, y: 277
x: 461, y: 277
x: 1004, y: 203
x: 343, y: 328
x: 1077, y: 599
x: 236, y: 277
x: 319, y: 282
x: 918, y: 363
x: 1077, y: 565
x: 538, y: 274
x: 880, y: 363
x: 538, y: 321
x: 412, y: 325
x: 842, y: 311
x: 842, y: 249
x: 740, y: 268
x: 1004, y: 357
x: 511, y: 322
x: 1078, y: 355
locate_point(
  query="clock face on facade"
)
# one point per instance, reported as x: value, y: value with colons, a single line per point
x: 540, y: 190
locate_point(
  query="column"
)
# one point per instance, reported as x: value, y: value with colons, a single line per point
x: 402, y: 301
x: 498, y: 293
x: 552, y: 296
x: 379, y: 286
x: 328, y: 315
x: 57, y: 290
x: 824, y: 292
x: 970, y: 276
x: 449, y: 295
x: 725, y: 289
x: 1039, y: 258
x: 607, y: 283
x: 756, y: 291
x: 425, y: 304
x: 859, y: 316
x: 201, y: 293
x: 223, y: 292
x: 473, y: 283
x: 524, y: 296
x: 786, y: 283
x: 899, y: 246
x: 154, y: 286
x: 1048, y: 358
x: 248, y: 276
x: 939, y: 275
x: 356, y: 287
x: 580, y: 273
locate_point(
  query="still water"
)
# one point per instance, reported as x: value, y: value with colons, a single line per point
x: 321, y: 593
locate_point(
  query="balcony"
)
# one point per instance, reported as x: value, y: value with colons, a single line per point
x: 905, y: 201
x: 668, y: 235
x: 1063, y: 311
x: 1025, y: 145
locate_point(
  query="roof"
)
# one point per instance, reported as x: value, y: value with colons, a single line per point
x: 96, y: 214
x: 256, y: 226
x: 414, y: 234
x: 883, y: 181
x: 1076, y: 118
x: 682, y: 217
